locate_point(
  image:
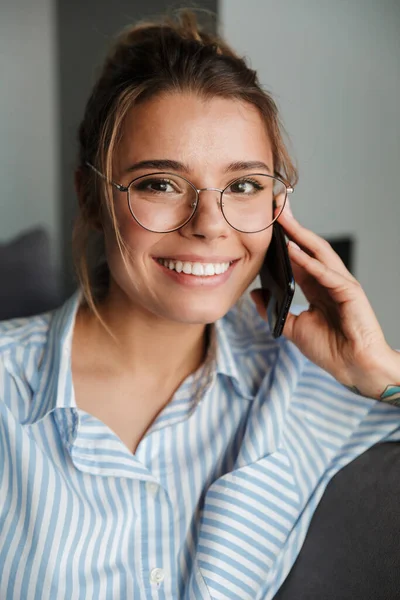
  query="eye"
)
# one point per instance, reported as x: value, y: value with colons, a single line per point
x: 245, y: 186
x: 156, y: 185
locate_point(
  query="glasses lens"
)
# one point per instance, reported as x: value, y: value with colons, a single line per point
x: 247, y: 203
x: 161, y: 202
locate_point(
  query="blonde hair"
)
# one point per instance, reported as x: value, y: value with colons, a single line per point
x: 172, y: 53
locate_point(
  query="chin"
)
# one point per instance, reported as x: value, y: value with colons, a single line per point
x: 201, y: 313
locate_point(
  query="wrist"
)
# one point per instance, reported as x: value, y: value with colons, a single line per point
x: 380, y: 379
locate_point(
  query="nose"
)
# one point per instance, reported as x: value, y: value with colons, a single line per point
x: 208, y: 220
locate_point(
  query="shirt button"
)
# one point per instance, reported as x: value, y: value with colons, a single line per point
x: 157, y: 575
x: 153, y: 488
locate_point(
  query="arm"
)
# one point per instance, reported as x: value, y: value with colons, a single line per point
x: 384, y: 381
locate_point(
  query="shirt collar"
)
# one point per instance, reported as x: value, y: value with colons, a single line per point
x: 233, y: 333
x: 55, y: 389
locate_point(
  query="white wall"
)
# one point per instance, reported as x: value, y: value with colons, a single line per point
x: 334, y: 70
x: 28, y: 120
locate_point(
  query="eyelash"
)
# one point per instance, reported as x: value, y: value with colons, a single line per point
x: 249, y: 180
x: 144, y: 184
x: 148, y: 182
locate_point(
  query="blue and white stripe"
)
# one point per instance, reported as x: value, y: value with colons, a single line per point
x: 219, y: 494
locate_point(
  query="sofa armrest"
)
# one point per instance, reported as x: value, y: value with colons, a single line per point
x: 352, y: 547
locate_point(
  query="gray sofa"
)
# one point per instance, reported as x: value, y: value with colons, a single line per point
x: 352, y: 547
x: 30, y: 283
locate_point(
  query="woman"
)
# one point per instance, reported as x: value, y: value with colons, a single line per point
x: 157, y: 441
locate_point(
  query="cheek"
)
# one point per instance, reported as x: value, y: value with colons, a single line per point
x: 136, y: 239
x: 138, y: 242
x: 257, y: 246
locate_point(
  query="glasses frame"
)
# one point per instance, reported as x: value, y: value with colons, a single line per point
x: 122, y: 188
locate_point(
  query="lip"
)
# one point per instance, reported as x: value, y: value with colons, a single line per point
x: 196, y: 258
x: 193, y: 281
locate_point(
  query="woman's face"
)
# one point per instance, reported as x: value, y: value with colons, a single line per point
x: 206, y: 137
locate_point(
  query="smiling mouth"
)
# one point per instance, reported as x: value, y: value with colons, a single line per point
x: 195, y: 268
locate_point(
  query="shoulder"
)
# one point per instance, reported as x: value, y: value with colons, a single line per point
x: 248, y: 333
x: 22, y: 343
x: 20, y: 332
x: 251, y: 341
x: 246, y: 340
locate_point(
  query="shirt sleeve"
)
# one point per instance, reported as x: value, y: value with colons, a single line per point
x: 343, y: 423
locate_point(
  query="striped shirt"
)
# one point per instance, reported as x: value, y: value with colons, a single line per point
x: 216, y: 501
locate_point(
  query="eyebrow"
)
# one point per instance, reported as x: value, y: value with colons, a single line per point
x: 173, y: 165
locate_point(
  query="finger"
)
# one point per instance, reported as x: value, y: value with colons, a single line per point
x: 310, y: 242
x: 339, y: 286
x: 315, y: 294
x: 306, y: 281
x: 310, y: 287
x: 301, y: 275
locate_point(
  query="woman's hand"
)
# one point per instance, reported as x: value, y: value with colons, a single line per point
x: 339, y: 331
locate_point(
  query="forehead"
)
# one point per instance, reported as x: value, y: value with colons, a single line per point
x: 203, y: 133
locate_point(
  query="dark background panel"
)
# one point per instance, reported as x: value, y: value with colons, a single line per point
x: 344, y: 246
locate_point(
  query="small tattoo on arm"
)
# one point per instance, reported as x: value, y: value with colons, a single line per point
x: 391, y: 394
x: 353, y: 389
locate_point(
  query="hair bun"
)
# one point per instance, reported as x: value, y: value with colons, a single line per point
x: 189, y: 24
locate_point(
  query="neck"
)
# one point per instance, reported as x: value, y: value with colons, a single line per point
x: 145, y: 346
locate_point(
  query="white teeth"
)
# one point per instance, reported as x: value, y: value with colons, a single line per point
x: 187, y: 268
x: 197, y: 269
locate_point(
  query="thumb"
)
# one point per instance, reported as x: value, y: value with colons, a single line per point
x: 288, y: 328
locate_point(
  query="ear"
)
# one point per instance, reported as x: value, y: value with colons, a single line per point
x: 94, y: 219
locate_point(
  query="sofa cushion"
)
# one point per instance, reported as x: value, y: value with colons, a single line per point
x: 28, y: 282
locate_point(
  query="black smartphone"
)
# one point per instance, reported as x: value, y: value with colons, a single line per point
x: 277, y: 280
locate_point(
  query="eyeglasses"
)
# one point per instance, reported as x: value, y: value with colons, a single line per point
x: 163, y: 202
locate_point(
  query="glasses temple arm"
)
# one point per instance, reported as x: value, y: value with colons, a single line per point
x: 119, y: 187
